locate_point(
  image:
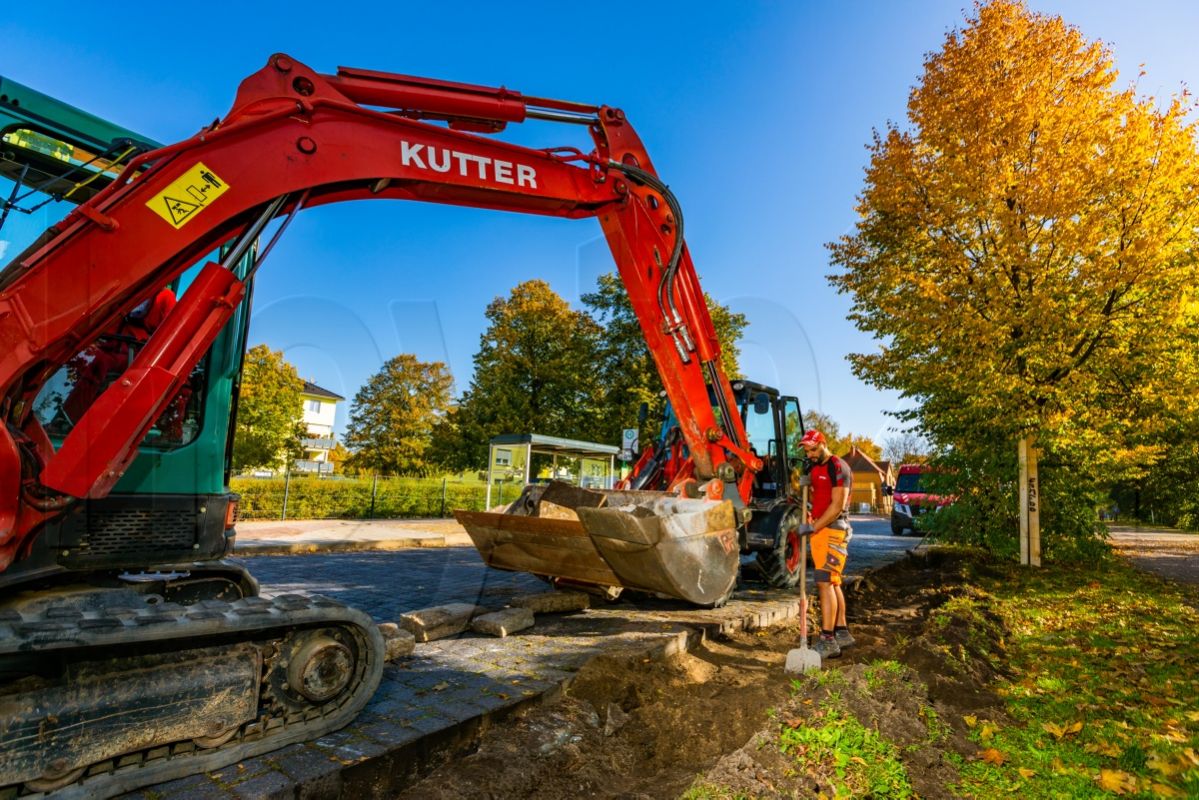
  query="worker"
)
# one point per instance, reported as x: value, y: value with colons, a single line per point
x: 829, y: 520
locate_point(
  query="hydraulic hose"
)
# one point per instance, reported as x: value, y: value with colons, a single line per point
x: 666, y: 304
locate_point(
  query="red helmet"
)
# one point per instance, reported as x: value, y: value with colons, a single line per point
x: 812, y: 437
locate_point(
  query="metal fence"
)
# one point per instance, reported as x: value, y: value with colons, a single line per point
x: 307, y: 496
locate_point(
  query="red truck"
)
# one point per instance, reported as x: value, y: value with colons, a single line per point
x: 911, y: 499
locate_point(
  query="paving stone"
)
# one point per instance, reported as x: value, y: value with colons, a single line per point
x: 439, y: 622
x: 432, y: 723
x: 397, y: 641
x: 196, y: 787
x: 551, y: 602
x: 502, y: 623
x: 391, y: 732
x: 302, y: 763
x: 268, y: 786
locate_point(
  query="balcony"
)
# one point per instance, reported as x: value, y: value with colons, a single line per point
x: 317, y: 467
x: 318, y: 444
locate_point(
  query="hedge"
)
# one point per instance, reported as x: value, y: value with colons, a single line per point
x: 350, y: 498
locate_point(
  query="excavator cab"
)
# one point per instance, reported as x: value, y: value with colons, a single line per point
x: 76, y: 684
x: 52, y: 157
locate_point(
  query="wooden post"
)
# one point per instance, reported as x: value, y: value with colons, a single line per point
x: 1022, y: 482
x: 286, y: 490
x: 1030, y: 505
x: 374, y: 494
x: 1034, y: 510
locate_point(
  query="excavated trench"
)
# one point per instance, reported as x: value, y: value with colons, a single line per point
x: 631, y: 727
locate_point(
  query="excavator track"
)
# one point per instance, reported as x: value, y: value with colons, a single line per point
x: 102, y: 698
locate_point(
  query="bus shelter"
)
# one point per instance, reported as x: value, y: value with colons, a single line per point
x: 516, y: 459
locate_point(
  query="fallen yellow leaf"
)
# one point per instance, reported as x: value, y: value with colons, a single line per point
x: 987, y: 731
x: 971, y: 720
x: 1075, y: 727
x: 1193, y: 716
x: 1166, y: 766
x: 1103, y: 749
x: 1113, y: 780
x: 1162, y: 790
x: 992, y: 756
x: 1057, y: 730
x: 1026, y: 773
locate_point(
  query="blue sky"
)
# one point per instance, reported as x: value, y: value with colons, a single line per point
x: 756, y: 114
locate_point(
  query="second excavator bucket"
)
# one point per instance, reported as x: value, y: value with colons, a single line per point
x: 611, y: 540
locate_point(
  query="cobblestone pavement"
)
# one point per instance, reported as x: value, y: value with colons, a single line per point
x: 432, y: 704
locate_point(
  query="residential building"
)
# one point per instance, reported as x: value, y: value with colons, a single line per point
x: 319, y: 415
x: 869, y: 478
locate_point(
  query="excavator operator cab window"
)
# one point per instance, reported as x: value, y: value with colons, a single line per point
x: 793, y: 422
x: 42, y: 177
x: 71, y: 391
x: 757, y: 413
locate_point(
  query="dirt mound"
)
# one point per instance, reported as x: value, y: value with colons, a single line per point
x: 928, y: 646
x: 628, y: 727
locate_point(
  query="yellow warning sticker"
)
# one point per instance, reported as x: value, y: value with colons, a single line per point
x: 188, y: 195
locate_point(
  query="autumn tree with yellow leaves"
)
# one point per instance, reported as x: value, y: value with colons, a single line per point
x: 1026, y: 256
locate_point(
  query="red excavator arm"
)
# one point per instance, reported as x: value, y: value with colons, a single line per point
x: 294, y: 139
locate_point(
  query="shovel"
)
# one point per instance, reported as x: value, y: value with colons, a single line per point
x: 803, y: 658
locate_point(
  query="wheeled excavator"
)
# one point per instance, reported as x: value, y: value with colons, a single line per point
x: 131, y: 650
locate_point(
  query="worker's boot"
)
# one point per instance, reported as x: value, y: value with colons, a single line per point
x: 843, y: 637
x: 827, y: 647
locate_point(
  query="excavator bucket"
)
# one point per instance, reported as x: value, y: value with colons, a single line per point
x: 606, y: 541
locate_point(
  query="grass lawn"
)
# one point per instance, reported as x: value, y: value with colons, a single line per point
x: 1105, y: 695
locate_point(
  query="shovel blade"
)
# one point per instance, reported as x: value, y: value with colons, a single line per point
x: 801, y: 660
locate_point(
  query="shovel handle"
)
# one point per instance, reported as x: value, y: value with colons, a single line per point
x: 803, y: 570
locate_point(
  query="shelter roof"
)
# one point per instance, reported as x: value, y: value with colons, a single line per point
x: 553, y: 444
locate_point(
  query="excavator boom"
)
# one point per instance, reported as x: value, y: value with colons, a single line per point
x: 181, y: 629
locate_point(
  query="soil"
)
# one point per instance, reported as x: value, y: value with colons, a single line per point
x: 639, y: 728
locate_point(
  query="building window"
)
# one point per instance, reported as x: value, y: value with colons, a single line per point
x: 503, y: 458
x: 314, y: 406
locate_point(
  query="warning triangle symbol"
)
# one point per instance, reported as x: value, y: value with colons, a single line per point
x: 179, y: 209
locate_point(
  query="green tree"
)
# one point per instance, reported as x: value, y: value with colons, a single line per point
x: 394, y: 413
x: 267, y: 431
x: 864, y: 444
x: 535, y: 372
x: 629, y: 377
x: 1025, y: 252
x: 825, y: 424
x: 340, y: 457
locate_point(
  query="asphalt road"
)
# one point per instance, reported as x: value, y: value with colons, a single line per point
x: 1165, y: 552
x: 387, y: 584
x: 874, y: 546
